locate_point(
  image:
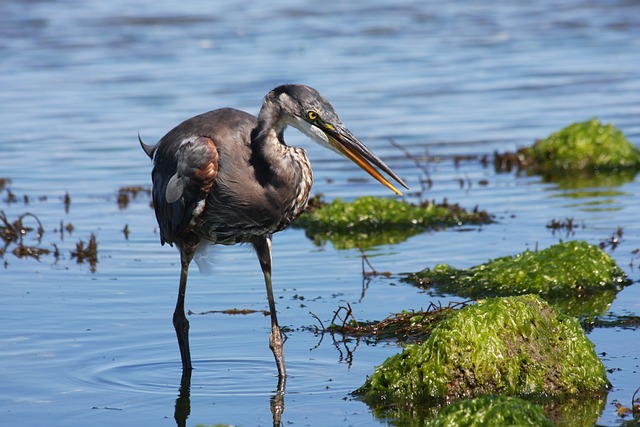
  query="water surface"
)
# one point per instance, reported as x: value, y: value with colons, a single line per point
x: 80, y: 79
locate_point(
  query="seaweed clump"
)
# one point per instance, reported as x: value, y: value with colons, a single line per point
x: 87, y: 252
x: 126, y: 193
x: 575, y: 276
x: 13, y: 234
x: 371, y: 221
x: 513, y: 346
x: 404, y: 327
x: 491, y: 410
x: 580, y: 155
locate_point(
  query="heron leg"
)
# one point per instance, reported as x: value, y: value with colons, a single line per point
x: 180, y: 322
x: 276, y: 344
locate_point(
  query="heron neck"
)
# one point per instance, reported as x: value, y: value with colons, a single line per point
x: 269, y: 152
x: 268, y: 135
x: 281, y: 166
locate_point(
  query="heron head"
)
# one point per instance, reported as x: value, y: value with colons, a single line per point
x: 308, y: 111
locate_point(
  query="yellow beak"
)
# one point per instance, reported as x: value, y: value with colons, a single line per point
x: 349, y: 146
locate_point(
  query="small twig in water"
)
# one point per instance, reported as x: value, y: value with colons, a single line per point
x: 374, y: 272
x: 425, y: 183
x: 635, y: 403
x: 231, y: 311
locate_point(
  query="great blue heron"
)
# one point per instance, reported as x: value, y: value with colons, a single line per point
x: 227, y: 177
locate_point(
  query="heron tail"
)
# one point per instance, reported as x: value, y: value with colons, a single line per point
x: 149, y: 149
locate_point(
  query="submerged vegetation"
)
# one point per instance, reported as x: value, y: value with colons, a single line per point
x: 23, y: 235
x: 371, y: 221
x: 87, y: 252
x: 13, y: 234
x: 516, y: 346
x: 577, y: 277
x: 129, y: 192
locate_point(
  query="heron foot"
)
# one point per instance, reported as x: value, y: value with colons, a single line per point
x: 276, y: 344
x: 181, y: 324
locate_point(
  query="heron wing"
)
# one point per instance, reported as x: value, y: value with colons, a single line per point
x: 182, y: 179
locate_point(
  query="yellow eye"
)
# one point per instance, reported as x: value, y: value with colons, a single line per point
x: 312, y: 115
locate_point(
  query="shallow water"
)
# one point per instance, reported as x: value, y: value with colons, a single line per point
x: 79, y: 80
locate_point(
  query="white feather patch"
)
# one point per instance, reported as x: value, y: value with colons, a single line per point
x: 174, y: 189
x: 313, y: 132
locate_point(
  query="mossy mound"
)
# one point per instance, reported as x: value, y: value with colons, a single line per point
x: 588, y: 147
x: 513, y: 346
x: 575, y: 276
x: 372, y: 221
x: 491, y: 411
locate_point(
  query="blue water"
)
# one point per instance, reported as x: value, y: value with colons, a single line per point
x: 80, y: 79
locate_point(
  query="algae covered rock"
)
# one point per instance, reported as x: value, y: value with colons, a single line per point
x: 575, y: 276
x: 514, y: 346
x: 371, y: 221
x: 496, y: 411
x: 588, y: 147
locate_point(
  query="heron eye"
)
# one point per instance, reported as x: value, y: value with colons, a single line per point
x: 312, y: 115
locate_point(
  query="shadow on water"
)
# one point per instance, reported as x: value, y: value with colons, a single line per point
x: 183, y: 402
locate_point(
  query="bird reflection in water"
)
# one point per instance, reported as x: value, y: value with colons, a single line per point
x: 183, y: 402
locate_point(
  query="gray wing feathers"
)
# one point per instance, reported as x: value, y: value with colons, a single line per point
x: 194, y: 155
x: 183, y: 179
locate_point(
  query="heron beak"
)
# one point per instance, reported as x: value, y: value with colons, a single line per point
x: 348, y: 145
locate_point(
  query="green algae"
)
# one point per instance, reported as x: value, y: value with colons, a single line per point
x: 517, y: 346
x: 491, y: 411
x: 576, y: 277
x: 586, y: 148
x: 372, y: 221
